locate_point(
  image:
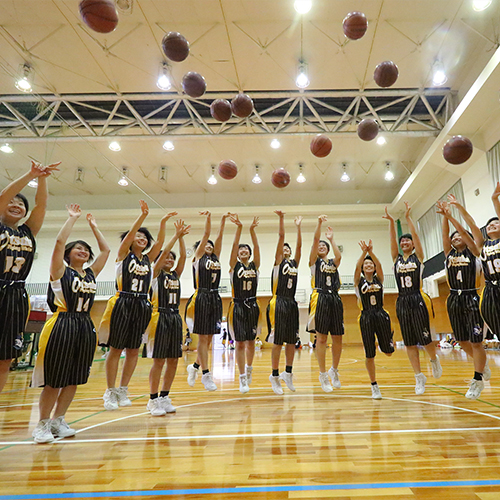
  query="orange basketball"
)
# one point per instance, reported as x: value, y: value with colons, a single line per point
x: 386, y: 74
x: 242, y: 105
x: 280, y: 178
x: 99, y: 15
x: 175, y: 46
x: 194, y: 84
x: 227, y: 169
x: 458, y: 150
x: 321, y: 146
x: 355, y: 25
x: 367, y: 129
x: 220, y: 109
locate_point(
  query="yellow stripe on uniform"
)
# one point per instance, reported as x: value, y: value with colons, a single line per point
x: 230, y: 320
x: 106, y: 319
x: 38, y: 379
x: 151, y: 332
x: 272, y: 312
x: 313, y: 304
x: 190, y: 312
x: 428, y: 304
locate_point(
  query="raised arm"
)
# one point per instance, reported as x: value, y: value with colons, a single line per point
x: 317, y: 236
x: 181, y: 261
x: 281, y: 238
x: 392, y: 235
x: 337, y: 256
x: 57, y: 266
x: 298, y: 246
x: 237, y: 235
x: 255, y: 243
x: 376, y: 261
x: 442, y: 209
x: 359, y: 264
x: 158, y: 265
x: 104, y: 250
x: 126, y: 243
x: 419, y: 251
x: 206, y: 235
x: 220, y: 234
x: 495, y: 200
x: 160, y: 239
x: 476, y: 232
x: 466, y: 238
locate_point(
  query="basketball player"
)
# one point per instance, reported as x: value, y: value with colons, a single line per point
x: 412, y: 305
x: 164, y: 331
x: 68, y: 339
x: 17, y: 248
x: 244, y: 311
x: 326, y: 312
x: 128, y: 313
x: 204, y: 308
x: 374, y: 321
x: 463, y: 272
x: 283, y: 311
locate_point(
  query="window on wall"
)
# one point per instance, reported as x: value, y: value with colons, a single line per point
x: 493, y: 159
x: 430, y: 223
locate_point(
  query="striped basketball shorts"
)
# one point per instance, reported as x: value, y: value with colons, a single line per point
x: 326, y: 313
x: 164, y: 334
x: 282, y: 320
x: 204, y: 312
x: 465, y: 318
x: 413, y: 313
x: 490, y: 307
x: 376, y: 323
x: 243, y: 319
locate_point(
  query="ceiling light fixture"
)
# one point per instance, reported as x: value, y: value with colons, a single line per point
x: 381, y: 140
x: 6, y: 149
x: 438, y: 74
x: 79, y: 176
x: 163, y: 82
x: 275, y: 144
x: 115, y: 146
x: 480, y: 5
x: 123, y: 179
x: 345, y: 177
x: 33, y: 183
x: 168, y: 146
x: 302, y: 6
x: 162, y: 177
x: 212, y: 180
x: 389, y: 176
x: 301, y: 177
x: 256, y: 178
x: 302, y: 80
x: 23, y: 83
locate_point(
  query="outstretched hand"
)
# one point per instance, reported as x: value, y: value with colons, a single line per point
x: 74, y: 210
x: 254, y: 223
x: 298, y: 220
x: 39, y: 170
x: 235, y: 219
x: 442, y: 208
x: 91, y: 221
x: 144, y: 207
x: 280, y: 213
x: 329, y: 233
x: 168, y: 216
x: 496, y: 192
x: 387, y: 215
x: 407, y: 210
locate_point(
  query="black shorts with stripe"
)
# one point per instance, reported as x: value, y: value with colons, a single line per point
x: 413, y: 311
x: 376, y: 323
x: 465, y: 318
x: 490, y: 307
x: 326, y: 313
x: 129, y: 320
x: 69, y: 350
x: 243, y: 319
x: 168, y: 335
x: 14, y: 311
x: 282, y: 320
x: 204, y: 312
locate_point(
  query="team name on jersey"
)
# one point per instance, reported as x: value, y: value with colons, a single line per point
x: 370, y: 287
x: 246, y: 273
x: 171, y: 284
x: 16, y: 243
x: 291, y: 270
x: 490, y: 250
x: 212, y: 265
x: 407, y: 267
x: 459, y: 260
x: 326, y: 268
x: 140, y: 270
x: 83, y: 286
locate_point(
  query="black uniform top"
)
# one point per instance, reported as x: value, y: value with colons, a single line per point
x: 73, y: 292
x: 206, y: 272
x: 490, y: 259
x: 244, y: 280
x: 133, y: 274
x: 166, y: 290
x: 17, y: 249
x: 463, y: 270
x: 284, y: 278
x: 325, y: 276
x: 408, y: 274
x: 370, y: 294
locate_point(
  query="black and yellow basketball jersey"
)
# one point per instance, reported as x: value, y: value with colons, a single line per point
x: 206, y: 272
x: 72, y: 292
x: 133, y: 274
x: 284, y: 278
x: 490, y: 259
x: 408, y: 274
x: 166, y: 290
x: 463, y: 270
x: 370, y: 294
x: 244, y: 280
x: 17, y: 250
x: 325, y: 276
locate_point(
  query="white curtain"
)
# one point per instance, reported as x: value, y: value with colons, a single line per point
x: 493, y: 159
x: 430, y: 223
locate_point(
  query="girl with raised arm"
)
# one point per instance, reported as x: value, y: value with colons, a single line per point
x: 463, y: 272
x: 68, y: 339
x: 283, y: 311
x: 165, y: 329
x: 413, y: 306
x: 244, y: 311
x: 326, y: 312
x: 17, y: 249
x: 204, y: 308
x: 129, y: 311
x: 374, y: 321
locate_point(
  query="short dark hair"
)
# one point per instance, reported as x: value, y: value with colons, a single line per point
x: 24, y: 200
x: 72, y: 244
x: 197, y: 244
x: 173, y: 254
x: 145, y: 232
x: 245, y: 245
x: 457, y: 232
x: 407, y: 236
x: 326, y: 243
x: 487, y: 224
x: 368, y: 258
x: 287, y: 245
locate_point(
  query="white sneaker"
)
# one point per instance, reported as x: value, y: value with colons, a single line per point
x: 208, y: 381
x: 110, y: 399
x: 60, y: 428
x: 475, y: 389
x: 155, y: 407
x: 244, y: 384
x: 420, y: 383
x: 437, y: 370
x: 325, y: 382
x: 288, y: 379
x: 42, y: 432
x: 122, y: 396
x: 248, y: 372
x: 334, y: 375
x: 192, y: 375
x: 276, y: 385
x: 166, y: 404
x: 376, y: 394
x: 486, y: 372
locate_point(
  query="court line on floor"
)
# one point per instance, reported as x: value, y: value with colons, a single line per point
x: 256, y: 489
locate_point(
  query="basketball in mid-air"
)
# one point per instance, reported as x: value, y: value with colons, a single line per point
x: 220, y: 109
x: 242, y: 105
x: 367, y: 129
x: 457, y: 150
x: 175, y: 46
x: 386, y: 74
x: 280, y: 178
x: 193, y: 84
x: 321, y: 146
x: 99, y: 15
x: 355, y: 25
x: 227, y: 169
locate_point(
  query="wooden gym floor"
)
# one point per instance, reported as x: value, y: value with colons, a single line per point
x: 226, y: 445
